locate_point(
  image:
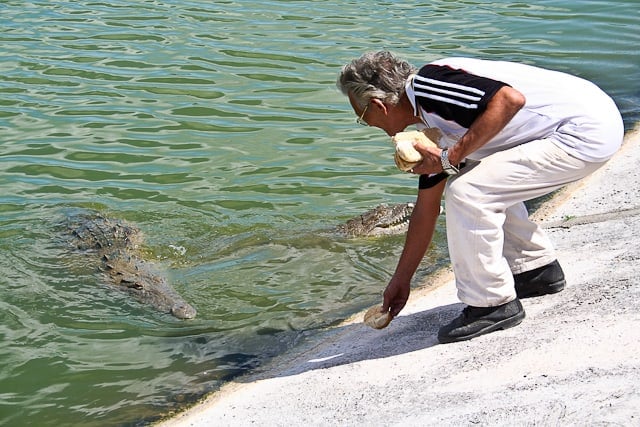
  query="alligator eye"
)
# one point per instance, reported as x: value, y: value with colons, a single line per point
x: 134, y: 285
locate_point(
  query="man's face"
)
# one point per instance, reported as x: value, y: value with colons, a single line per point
x: 377, y: 114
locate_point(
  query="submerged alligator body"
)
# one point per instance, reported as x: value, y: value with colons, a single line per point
x: 115, y: 243
x: 383, y: 220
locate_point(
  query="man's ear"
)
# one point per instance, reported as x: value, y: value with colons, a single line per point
x: 380, y: 105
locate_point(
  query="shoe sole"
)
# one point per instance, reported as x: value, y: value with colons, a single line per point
x: 546, y: 289
x: 510, y: 322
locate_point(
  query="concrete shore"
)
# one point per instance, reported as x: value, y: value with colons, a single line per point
x: 574, y: 360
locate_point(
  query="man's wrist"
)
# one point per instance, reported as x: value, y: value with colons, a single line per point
x: 452, y: 155
x: 447, y: 167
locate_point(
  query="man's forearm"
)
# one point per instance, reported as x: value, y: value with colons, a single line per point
x: 500, y: 110
x: 420, y: 233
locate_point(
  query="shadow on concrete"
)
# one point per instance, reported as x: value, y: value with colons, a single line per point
x: 357, y: 342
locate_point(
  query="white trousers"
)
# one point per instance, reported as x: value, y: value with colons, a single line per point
x: 489, y: 233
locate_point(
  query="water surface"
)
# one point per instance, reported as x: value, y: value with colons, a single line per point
x: 216, y: 128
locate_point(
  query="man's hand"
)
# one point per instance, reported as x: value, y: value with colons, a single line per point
x: 396, y: 296
x: 431, y: 163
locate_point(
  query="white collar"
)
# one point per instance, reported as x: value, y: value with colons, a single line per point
x: 411, y: 94
x: 408, y: 88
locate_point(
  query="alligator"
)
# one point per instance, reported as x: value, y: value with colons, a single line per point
x: 383, y: 220
x: 116, y: 245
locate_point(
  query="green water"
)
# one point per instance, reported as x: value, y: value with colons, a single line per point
x: 216, y: 128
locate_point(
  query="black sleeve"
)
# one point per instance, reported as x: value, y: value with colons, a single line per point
x: 428, y: 181
x: 454, y: 94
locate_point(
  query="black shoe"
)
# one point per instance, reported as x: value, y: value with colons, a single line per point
x: 544, y: 280
x: 476, y: 321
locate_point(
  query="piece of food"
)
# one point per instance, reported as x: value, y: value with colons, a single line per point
x: 404, y: 145
x: 376, y: 318
x: 406, y: 156
x: 404, y: 165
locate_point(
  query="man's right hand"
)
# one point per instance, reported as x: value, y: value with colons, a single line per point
x: 395, y: 296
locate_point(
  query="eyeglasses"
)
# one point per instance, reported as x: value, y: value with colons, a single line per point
x: 360, y: 120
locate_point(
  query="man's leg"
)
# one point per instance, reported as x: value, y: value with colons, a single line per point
x: 477, y: 205
x: 530, y: 255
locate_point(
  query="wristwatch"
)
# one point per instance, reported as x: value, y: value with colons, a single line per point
x: 447, y: 167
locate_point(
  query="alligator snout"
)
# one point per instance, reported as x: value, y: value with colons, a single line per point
x: 183, y: 311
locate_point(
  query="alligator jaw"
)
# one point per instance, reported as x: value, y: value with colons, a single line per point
x: 390, y: 229
x: 380, y: 221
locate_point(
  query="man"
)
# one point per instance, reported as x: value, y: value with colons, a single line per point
x: 512, y: 132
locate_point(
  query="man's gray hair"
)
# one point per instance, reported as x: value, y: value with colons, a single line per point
x: 379, y: 75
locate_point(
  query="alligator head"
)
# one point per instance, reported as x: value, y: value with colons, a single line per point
x: 136, y: 277
x: 380, y: 221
